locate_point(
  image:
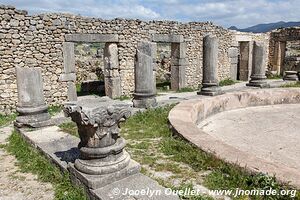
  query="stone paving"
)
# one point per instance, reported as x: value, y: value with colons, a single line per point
x: 270, y: 132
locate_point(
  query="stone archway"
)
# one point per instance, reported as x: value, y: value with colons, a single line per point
x: 179, y: 60
x: 111, y: 63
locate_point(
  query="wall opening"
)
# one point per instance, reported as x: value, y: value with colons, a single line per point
x: 243, y: 61
x: 163, y: 67
x: 89, y: 65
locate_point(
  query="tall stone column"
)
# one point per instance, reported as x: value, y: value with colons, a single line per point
x: 258, y: 75
x: 111, y: 71
x: 210, y: 85
x: 144, y: 95
x: 103, y: 159
x: 31, y: 105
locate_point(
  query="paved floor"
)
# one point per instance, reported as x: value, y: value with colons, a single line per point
x: 268, y: 132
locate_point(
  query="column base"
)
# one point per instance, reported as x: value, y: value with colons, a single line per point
x: 256, y: 83
x: 34, y: 121
x: 291, y: 76
x: 144, y: 101
x: 98, y: 181
x: 211, y: 91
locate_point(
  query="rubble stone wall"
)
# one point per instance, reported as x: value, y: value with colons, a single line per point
x: 37, y: 41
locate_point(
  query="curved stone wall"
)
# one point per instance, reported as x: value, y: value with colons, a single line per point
x: 185, y: 117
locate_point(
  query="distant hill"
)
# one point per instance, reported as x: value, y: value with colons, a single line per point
x: 262, y: 28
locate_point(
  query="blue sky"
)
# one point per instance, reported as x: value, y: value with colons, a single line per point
x: 241, y: 13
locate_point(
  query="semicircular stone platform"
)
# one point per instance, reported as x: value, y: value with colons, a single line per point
x: 257, y: 129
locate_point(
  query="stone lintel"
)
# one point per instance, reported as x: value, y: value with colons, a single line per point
x: 169, y: 38
x: 92, y: 38
x: 67, y: 77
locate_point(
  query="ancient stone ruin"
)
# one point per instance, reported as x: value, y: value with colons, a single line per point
x: 31, y: 107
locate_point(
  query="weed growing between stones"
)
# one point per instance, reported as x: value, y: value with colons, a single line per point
x: 6, y: 119
x: 69, y: 127
x: 294, y: 84
x: 30, y: 160
x: 54, y: 109
x: 227, y: 81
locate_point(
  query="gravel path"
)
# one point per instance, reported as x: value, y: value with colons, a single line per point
x: 15, y: 185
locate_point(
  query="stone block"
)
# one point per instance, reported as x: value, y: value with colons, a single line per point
x: 233, y: 52
x: 92, y: 38
x: 98, y: 181
x: 67, y: 77
x: 72, y: 92
x: 170, y: 38
x: 69, y: 57
x: 113, y: 87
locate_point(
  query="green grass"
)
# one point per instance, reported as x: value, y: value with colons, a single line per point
x: 146, y: 127
x: 274, y: 76
x: 150, y: 141
x: 31, y: 161
x: 123, y: 97
x: 227, y: 81
x: 289, y: 85
x: 54, y: 109
x: 6, y: 119
x: 69, y: 127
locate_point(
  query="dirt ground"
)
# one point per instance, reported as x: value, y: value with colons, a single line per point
x: 15, y: 185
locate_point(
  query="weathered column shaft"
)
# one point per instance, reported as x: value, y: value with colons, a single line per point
x: 31, y: 105
x: 210, y: 84
x: 144, y: 95
x: 111, y: 71
x: 258, y: 75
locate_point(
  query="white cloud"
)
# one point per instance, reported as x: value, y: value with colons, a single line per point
x: 241, y: 13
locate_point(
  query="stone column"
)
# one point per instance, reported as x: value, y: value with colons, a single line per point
x: 111, y: 71
x: 210, y: 85
x: 258, y: 75
x: 69, y: 75
x: 144, y: 95
x: 179, y: 62
x: 31, y: 105
x: 103, y: 159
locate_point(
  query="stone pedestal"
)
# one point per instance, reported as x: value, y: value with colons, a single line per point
x: 210, y: 85
x: 102, y: 158
x: 290, y: 76
x: 31, y: 105
x: 258, y: 75
x: 144, y: 95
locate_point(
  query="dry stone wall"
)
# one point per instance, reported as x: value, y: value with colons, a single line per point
x: 37, y: 41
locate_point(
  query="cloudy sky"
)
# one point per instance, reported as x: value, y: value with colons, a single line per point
x: 241, y: 13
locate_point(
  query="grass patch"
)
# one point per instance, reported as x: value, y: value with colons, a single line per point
x: 6, y: 119
x: 151, y: 142
x: 124, y: 97
x: 31, y: 161
x: 163, y: 86
x: 54, y: 109
x: 69, y: 127
x: 227, y: 81
x: 289, y: 85
x: 274, y: 76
